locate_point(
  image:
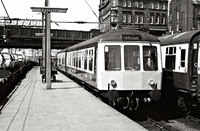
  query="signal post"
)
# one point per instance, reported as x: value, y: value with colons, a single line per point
x: 47, y: 49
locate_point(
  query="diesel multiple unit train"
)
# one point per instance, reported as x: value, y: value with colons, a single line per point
x: 123, y: 66
x: 181, y: 67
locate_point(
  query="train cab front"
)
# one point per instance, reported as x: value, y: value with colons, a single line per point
x: 131, y: 73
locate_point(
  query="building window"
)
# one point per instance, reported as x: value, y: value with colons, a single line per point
x: 141, y: 4
x: 198, y: 24
x: 170, y: 28
x: 124, y: 18
x: 141, y: 19
x: 151, y: 19
x: 136, y: 4
x: 129, y: 18
x: 177, y: 27
x: 136, y: 18
x: 177, y: 15
x: 124, y: 3
x: 157, y: 19
x: 163, y: 6
x: 129, y: 3
x: 114, y: 3
x: 157, y: 5
x: 198, y: 13
x: 151, y: 5
x: 163, y: 20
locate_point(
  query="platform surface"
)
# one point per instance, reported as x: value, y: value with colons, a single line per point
x: 65, y: 107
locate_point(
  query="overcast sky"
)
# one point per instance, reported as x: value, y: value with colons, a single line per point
x: 78, y: 10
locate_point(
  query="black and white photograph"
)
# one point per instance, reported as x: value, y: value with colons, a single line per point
x: 99, y: 65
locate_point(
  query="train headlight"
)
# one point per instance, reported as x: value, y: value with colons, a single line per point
x: 151, y: 82
x: 113, y: 83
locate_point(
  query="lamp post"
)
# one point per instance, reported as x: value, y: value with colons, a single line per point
x: 47, y: 10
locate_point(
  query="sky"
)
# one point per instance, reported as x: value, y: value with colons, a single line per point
x: 78, y: 10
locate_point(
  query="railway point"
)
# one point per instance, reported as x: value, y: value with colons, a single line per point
x: 66, y: 106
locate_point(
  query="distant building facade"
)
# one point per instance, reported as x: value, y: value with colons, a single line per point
x: 184, y: 15
x: 147, y: 15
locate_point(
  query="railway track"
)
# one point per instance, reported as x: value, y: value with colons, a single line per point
x: 188, y: 123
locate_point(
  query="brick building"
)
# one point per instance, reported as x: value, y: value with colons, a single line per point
x: 146, y: 15
x: 184, y: 15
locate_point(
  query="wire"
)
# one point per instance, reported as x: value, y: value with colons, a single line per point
x: 5, y: 10
x: 93, y: 11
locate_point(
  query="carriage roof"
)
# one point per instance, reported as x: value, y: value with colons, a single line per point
x: 184, y: 37
x: 117, y: 35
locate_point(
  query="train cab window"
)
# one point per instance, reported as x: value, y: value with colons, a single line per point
x: 150, y: 60
x: 183, y: 51
x: 112, y: 57
x: 90, y: 60
x: 132, y: 57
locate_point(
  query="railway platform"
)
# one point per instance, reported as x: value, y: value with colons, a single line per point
x: 67, y: 106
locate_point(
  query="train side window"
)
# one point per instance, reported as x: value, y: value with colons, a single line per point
x: 112, y: 57
x: 170, y: 58
x: 69, y: 58
x: 150, y: 60
x: 183, y: 51
x: 132, y: 57
x: 82, y: 59
x: 79, y: 59
x: 91, y: 60
x: 76, y: 59
x: 167, y: 50
x: 85, y: 60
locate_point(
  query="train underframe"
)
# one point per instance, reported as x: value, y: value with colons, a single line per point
x: 187, y: 100
x: 123, y: 100
x: 130, y: 100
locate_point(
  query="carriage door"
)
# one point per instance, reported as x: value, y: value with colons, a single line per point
x: 194, y: 66
x: 182, y: 65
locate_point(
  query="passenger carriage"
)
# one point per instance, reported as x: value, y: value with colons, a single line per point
x: 181, y: 63
x: 123, y: 66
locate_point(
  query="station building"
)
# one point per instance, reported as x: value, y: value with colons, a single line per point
x: 184, y: 15
x: 145, y: 15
